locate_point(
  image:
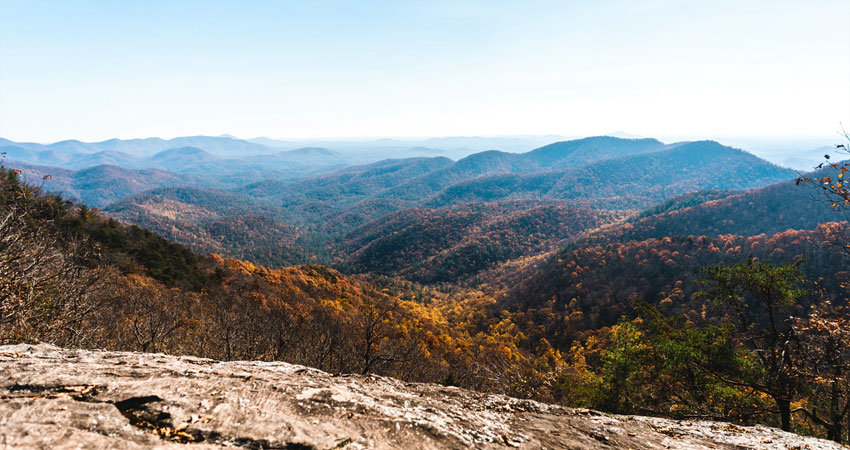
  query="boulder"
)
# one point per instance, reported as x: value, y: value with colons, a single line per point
x: 58, y: 398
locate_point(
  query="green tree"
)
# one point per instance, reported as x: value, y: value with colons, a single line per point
x: 670, y: 366
x: 759, y: 301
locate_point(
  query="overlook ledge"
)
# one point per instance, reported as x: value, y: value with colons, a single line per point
x: 57, y: 398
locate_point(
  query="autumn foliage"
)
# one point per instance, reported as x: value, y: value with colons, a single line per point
x: 750, y: 328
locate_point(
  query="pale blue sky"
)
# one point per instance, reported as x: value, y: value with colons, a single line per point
x: 93, y: 70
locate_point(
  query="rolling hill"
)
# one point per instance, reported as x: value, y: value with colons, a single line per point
x: 207, y: 156
x: 580, y: 152
x: 556, y: 156
x: 319, y: 199
x: 629, y: 182
x: 452, y: 243
x: 448, y: 225
x: 221, y: 146
x: 658, y: 254
x: 468, y: 216
x: 648, y: 173
x: 583, y: 289
x: 213, y: 221
x: 327, y: 207
x: 99, y: 186
x: 770, y: 209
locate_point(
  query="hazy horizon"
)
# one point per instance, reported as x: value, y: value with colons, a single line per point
x: 799, y: 154
x: 795, y: 141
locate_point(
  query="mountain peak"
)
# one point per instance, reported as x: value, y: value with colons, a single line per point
x: 309, y: 151
x: 183, y: 152
x: 590, y: 149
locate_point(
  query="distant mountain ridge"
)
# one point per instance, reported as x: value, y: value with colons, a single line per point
x: 222, y: 146
x: 200, y: 188
x: 230, y: 147
x: 586, y: 151
x: 325, y: 208
x: 182, y: 155
x: 102, y: 185
x: 636, y: 180
x: 309, y: 151
x: 498, y: 266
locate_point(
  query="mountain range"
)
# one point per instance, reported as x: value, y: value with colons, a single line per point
x: 513, y: 272
x: 199, y: 197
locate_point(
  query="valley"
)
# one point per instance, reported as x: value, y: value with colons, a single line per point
x: 296, y: 218
x: 568, y: 273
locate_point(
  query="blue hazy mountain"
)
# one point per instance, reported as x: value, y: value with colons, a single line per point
x: 633, y: 181
x: 101, y: 185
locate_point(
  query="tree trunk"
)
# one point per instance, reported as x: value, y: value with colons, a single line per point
x: 836, y: 432
x: 227, y: 352
x: 784, y: 413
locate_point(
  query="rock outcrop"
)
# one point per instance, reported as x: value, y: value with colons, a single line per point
x: 57, y: 398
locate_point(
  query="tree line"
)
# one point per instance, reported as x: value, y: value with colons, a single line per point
x: 758, y: 341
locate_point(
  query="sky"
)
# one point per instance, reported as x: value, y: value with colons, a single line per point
x: 93, y: 70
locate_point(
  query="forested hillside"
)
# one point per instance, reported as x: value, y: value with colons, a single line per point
x: 74, y: 277
x: 595, y: 286
x: 485, y: 273
x: 449, y: 244
x: 770, y: 209
x: 211, y: 221
x: 307, y: 220
x: 629, y: 182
